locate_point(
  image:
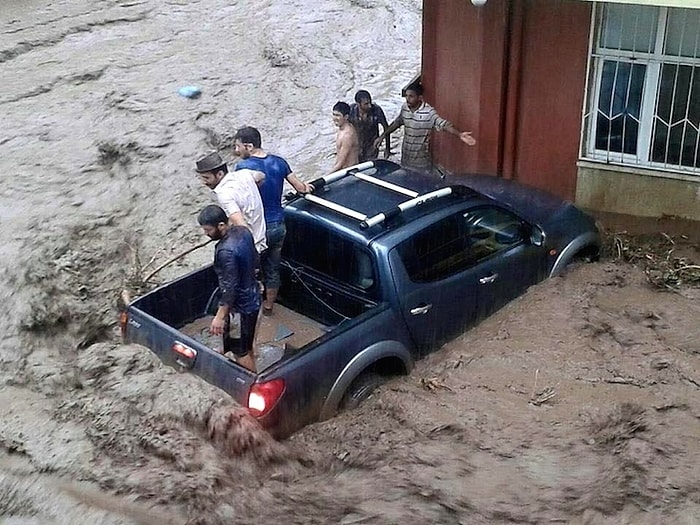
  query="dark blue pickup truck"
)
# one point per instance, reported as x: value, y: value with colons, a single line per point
x: 380, y: 266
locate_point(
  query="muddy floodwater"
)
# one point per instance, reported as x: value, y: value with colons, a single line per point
x: 576, y: 403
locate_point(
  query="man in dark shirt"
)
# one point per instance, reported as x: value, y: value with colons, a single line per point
x: 248, y: 146
x: 366, y: 117
x: 235, y: 261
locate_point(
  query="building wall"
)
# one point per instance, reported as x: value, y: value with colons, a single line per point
x: 634, y: 193
x: 513, y: 72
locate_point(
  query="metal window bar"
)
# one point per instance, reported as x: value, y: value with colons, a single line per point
x: 679, y: 148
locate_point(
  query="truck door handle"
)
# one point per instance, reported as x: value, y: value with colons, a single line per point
x: 420, y: 310
x: 489, y: 278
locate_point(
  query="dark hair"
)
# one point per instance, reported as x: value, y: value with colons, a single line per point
x: 416, y: 87
x: 342, y: 108
x: 362, y: 95
x: 249, y: 135
x: 212, y: 215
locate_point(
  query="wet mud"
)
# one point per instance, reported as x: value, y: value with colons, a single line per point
x: 576, y: 403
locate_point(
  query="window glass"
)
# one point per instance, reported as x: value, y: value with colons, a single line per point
x: 459, y: 242
x: 619, y: 106
x: 491, y: 230
x: 629, y: 27
x: 683, y: 32
x: 325, y: 252
x: 644, y: 109
x: 677, y: 118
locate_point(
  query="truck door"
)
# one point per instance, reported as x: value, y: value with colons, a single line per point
x: 460, y: 269
x: 435, y: 283
x: 507, y: 262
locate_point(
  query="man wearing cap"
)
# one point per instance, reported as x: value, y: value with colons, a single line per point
x: 237, y: 193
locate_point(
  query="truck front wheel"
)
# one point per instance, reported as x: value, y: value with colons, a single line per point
x: 360, y: 389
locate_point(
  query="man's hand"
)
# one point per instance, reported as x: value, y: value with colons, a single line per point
x: 466, y: 137
x: 217, y: 326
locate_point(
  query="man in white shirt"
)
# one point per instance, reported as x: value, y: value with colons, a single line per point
x: 237, y: 193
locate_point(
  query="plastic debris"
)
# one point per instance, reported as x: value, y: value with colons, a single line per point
x: 190, y: 91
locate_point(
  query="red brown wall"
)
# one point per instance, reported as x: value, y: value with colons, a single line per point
x: 513, y: 72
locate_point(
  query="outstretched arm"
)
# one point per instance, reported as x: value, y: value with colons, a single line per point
x: 464, y: 136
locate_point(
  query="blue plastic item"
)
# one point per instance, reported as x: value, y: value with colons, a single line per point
x: 190, y: 91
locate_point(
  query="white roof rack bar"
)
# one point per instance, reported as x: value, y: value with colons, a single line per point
x: 385, y: 184
x: 412, y: 203
x: 331, y: 177
x: 335, y: 207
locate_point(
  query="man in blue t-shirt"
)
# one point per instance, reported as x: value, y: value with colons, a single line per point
x: 248, y: 146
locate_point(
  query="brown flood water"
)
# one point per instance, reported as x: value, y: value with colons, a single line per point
x: 577, y: 403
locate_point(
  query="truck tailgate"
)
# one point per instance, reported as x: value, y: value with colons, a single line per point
x: 187, y: 354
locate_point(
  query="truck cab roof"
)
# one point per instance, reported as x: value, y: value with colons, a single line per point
x: 348, y: 200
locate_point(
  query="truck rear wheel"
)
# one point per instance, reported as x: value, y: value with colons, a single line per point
x: 360, y: 389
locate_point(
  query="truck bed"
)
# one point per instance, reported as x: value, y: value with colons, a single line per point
x: 281, y: 333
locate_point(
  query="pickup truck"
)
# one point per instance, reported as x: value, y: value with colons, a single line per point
x: 380, y: 266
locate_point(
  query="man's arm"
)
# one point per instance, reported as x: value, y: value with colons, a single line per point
x: 258, y: 176
x: 398, y: 122
x: 387, y: 135
x: 299, y: 185
x: 228, y: 280
x: 464, y: 136
x: 228, y: 202
x: 444, y: 125
x: 236, y: 219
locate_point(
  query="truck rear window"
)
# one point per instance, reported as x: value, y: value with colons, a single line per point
x: 323, y: 251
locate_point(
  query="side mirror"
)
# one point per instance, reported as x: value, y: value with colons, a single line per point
x: 536, y: 236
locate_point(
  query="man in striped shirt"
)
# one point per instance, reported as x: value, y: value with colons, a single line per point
x: 419, y: 119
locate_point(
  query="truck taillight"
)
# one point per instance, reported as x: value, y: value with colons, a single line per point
x: 184, y: 350
x: 123, y: 320
x: 264, y: 396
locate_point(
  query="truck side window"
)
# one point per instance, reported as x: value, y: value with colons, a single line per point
x: 459, y: 242
x: 491, y: 230
x: 436, y: 252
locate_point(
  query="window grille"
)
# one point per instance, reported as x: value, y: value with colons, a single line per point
x: 643, y: 106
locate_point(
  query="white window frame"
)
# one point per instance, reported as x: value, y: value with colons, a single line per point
x: 653, y: 61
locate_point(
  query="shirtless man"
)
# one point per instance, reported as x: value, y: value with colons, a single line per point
x: 347, y: 144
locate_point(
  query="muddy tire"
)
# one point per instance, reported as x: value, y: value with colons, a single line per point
x: 360, y: 389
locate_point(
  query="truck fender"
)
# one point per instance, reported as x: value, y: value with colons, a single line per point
x: 570, y: 250
x: 359, y: 364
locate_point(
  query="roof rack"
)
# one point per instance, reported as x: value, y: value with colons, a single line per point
x: 415, y: 199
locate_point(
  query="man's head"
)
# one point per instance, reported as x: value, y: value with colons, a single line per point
x: 364, y: 100
x: 246, y: 140
x: 213, y: 221
x: 211, y: 169
x: 414, y: 95
x: 341, y: 113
